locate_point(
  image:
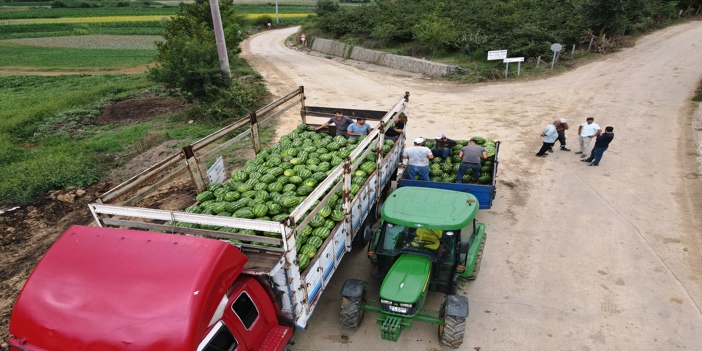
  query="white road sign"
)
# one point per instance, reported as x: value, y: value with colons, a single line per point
x: 497, y: 55
x: 513, y: 59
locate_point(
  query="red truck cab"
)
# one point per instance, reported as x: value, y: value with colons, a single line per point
x: 112, y: 289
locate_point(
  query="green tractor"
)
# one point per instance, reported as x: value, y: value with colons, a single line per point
x: 426, y: 240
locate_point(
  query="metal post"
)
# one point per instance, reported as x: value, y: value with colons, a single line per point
x: 590, y: 46
x: 276, y: 11
x: 519, y: 68
x: 506, y: 69
x: 346, y: 203
x: 572, y: 52
x: 219, y: 37
x: 538, y: 60
x: 553, y: 60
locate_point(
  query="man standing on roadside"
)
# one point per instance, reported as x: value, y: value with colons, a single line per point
x: 561, y: 128
x: 549, y: 136
x: 470, y: 159
x: 601, y: 145
x: 418, y: 157
x: 587, y: 131
x: 340, y: 121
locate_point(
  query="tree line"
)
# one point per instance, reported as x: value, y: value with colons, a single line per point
x: 524, y: 27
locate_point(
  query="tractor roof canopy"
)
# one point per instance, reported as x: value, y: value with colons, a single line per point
x: 116, y: 289
x: 430, y: 208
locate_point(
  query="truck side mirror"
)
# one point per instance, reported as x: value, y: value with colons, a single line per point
x: 464, y: 247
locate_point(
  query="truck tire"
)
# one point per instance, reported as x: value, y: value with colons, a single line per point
x: 454, y: 316
x: 478, y: 259
x: 364, y: 233
x: 353, y: 296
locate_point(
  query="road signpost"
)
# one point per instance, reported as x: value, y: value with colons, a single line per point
x: 497, y: 55
x: 519, y: 61
x: 556, y: 48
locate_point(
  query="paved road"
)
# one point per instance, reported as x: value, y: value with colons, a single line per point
x: 578, y: 258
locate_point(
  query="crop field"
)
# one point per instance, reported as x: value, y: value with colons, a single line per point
x: 116, y: 42
x: 53, y: 58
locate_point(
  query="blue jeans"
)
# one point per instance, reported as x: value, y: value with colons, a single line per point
x: 466, y: 166
x: 422, y: 171
x: 441, y: 153
x: 596, y: 155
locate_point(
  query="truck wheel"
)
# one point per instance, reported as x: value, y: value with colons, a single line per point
x: 377, y: 210
x: 454, y: 328
x: 353, y: 295
x: 364, y: 233
x: 478, y: 259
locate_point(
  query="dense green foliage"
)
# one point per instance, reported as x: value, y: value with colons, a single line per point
x: 188, y: 61
x: 524, y: 27
x: 35, y: 159
x: 67, y: 58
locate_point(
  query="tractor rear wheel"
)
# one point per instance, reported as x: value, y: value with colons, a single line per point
x: 478, y: 259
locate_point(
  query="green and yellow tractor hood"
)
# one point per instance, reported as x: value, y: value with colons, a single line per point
x: 407, y: 280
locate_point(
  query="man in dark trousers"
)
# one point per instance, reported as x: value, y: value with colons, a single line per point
x: 470, y: 155
x: 561, y: 128
x: 601, y: 145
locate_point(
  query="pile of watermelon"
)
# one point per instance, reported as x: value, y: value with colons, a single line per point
x: 446, y: 172
x: 278, y: 179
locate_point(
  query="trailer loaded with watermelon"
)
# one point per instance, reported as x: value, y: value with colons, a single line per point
x: 294, y: 209
x: 443, y: 175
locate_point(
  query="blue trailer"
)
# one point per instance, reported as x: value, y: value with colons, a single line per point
x: 485, y: 193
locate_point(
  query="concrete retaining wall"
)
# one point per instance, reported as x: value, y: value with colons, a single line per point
x: 404, y: 63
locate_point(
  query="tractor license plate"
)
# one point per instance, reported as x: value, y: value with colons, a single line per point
x: 398, y: 309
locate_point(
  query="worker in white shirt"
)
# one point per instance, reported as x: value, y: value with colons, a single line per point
x: 587, y: 131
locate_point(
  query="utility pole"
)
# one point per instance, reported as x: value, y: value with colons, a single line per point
x: 276, y: 11
x: 219, y: 37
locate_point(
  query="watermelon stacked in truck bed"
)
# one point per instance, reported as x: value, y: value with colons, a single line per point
x: 278, y: 179
x: 446, y: 172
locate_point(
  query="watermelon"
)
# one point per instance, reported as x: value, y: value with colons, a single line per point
x: 315, y: 242
x: 244, y: 213
x: 337, y: 215
x: 355, y: 189
x: 303, y: 260
x: 260, y: 186
x: 304, y: 190
x: 301, y: 238
x: 486, y: 179
x: 289, y: 187
x: 279, y: 218
x: 274, y: 208
x: 360, y: 173
x: 276, y: 171
x: 193, y: 209
x: 267, y: 178
x: 244, y: 188
x: 274, y: 187
x: 310, y: 182
x: 309, y: 250
x: 204, y: 196
x: 249, y: 194
x: 260, y: 210
x: 295, y: 180
x: 325, y: 211
x: 262, y: 195
x: 231, y: 196
x: 329, y: 224
x: 289, y: 172
x: 290, y: 201
x: 485, y: 169
x: 317, y: 221
x: 368, y: 167
x: 321, y: 233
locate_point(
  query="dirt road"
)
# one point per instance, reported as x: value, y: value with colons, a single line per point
x: 578, y: 258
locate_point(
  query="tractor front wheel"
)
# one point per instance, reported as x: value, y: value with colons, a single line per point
x: 454, y: 328
x: 353, y: 295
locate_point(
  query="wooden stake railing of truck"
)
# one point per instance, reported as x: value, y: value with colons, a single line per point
x: 295, y: 283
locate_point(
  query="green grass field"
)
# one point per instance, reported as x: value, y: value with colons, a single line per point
x: 70, y: 58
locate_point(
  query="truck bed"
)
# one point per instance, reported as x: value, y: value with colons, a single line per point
x: 485, y: 193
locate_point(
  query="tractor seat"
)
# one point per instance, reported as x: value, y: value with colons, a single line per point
x: 430, y: 237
